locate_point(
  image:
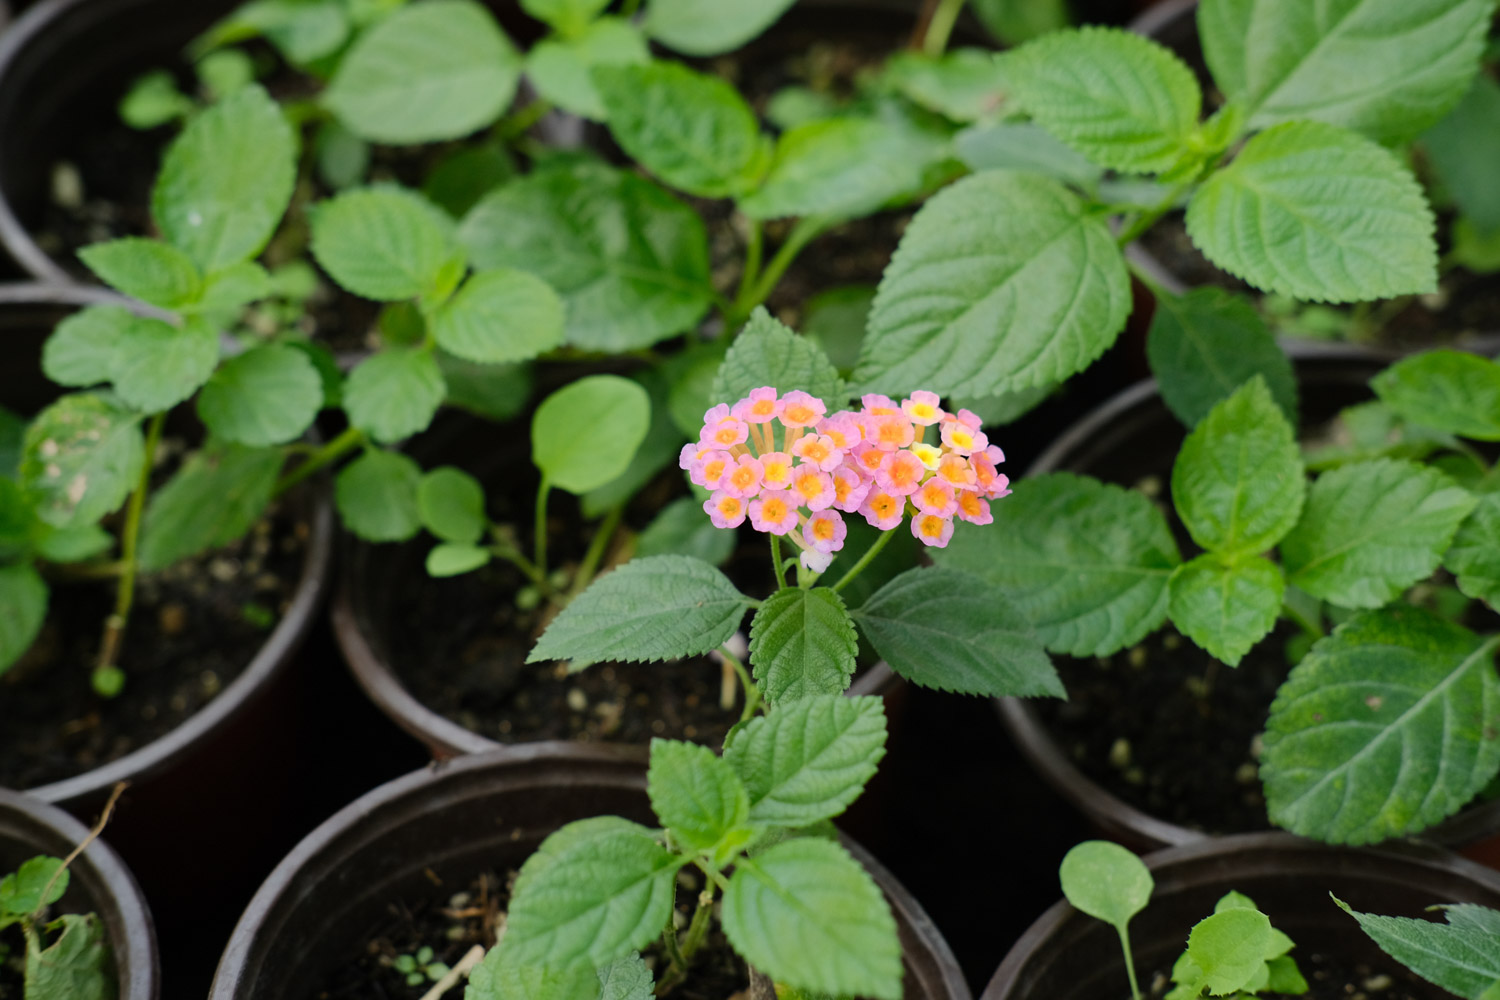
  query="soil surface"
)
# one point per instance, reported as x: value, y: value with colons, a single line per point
x: 194, y: 628
x: 12, y: 969
x: 1329, y: 977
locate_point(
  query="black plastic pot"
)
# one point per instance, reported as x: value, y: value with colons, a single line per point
x: 1067, y: 955
x: 453, y: 820
x: 100, y: 884
x: 1132, y: 435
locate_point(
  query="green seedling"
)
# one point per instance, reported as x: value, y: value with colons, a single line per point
x: 420, y: 967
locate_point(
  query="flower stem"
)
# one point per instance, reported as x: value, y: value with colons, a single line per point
x: 804, y: 232
x: 747, y: 683
x: 329, y: 453
x: 107, y: 678
x: 544, y: 488
x: 1135, y: 989
x: 940, y: 28
x: 754, y: 247
x: 865, y: 560
x: 776, y: 561
x: 590, y: 564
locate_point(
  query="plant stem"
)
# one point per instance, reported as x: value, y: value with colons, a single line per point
x: 329, y: 453
x: 865, y: 560
x: 776, y: 561
x: 520, y: 562
x: 544, y: 488
x: 114, y: 625
x: 1148, y: 218
x: 941, y: 26
x: 698, y: 929
x: 520, y: 123
x: 465, y: 965
x: 1135, y: 990
x: 804, y: 232
x: 747, y: 684
x: 602, y: 535
x: 754, y: 247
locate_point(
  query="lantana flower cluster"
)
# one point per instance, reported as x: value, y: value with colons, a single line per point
x: 793, y: 468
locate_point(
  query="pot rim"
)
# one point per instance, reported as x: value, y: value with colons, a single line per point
x: 117, y: 898
x: 275, y: 653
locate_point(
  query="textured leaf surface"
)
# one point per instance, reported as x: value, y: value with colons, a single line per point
x: 964, y: 84
x: 708, y: 27
x: 431, y: 71
x: 1451, y: 391
x: 629, y: 260
x: 765, y: 353
x: 268, y: 395
x: 1460, y: 955
x: 26, y: 890
x: 226, y: 180
x: 1086, y: 562
x: 377, y: 496
x: 694, y: 793
x: 382, y: 243
x: 561, y: 69
x: 567, y: 16
x: 807, y: 915
x: 1228, y: 948
x: 501, y: 977
x: 76, y: 966
x: 810, y: 758
x: 1226, y: 609
x: 1122, y: 100
x: 153, y: 272
x: 1206, y: 344
x: 1371, y: 529
x: 499, y: 316
x: 1001, y: 282
x: 586, y: 433
x: 1387, y: 68
x: 212, y: 500
x: 661, y: 608
x: 81, y: 349
x: 1386, y: 727
x: 23, y: 608
x: 1462, y: 150
x: 1316, y: 212
x: 954, y: 631
x: 802, y: 643
x: 1475, y: 554
x: 395, y: 393
x: 626, y: 979
x: 81, y: 457
x: 157, y: 365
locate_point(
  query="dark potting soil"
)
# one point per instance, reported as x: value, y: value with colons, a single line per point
x: 194, y: 628
x: 12, y: 963
x: 1331, y: 977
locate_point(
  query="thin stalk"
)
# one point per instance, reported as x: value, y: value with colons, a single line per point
x: 544, y: 488
x: 1135, y: 989
x: 590, y: 564
x: 804, y: 232
x: 520, y: 123
x: 114, y: 625
x: 1148, y: 218
x: 329, y: 453
x: 940, y: 28
x: 752, y: 692
x: 520, y: 562
x: 776, y: 561
x: 864, y: 560
x: 698, y: 929
x: 754, y: 248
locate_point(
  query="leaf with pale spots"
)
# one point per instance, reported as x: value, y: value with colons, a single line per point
x: 81, y: 457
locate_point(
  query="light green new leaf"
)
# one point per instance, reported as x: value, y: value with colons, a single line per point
x: 1228, y: 949
x: 1459, y: 956
x: 235, y: 286
x: 954, y: 631
x: 1371, y: 529
x: 226, y: 180
x: 157, y: 365
x: 629, y: 260
x: 23, y: 608
x: 81, y: 457
x: 430, y: 71
x: 302, y: 31
x: 451, y: 504
x: 1017, y: 21
x: 1003, y: 281
x: 1462, y: 150
x: 835, y: 320
x: 1385, y: 728
x: 35, y: 884
x: 1317, y: 212
x: 454, y: 558
x: 767, y: 353
x: 1474, y: 557
x: 73, y: 544
x: 561, y: 68
x: 268, y: 395
x: 1238, y: 482
x: 501, y: 977
x: 77, y: 965
x: 1446, y: 390
x: 1086, y: 562
x: 1206, y: 344
x: 695, y: 794
x: 965, y: 84
x: 1024, y: 147
x: 1226, y: 609
x: 383, y: 243
x: 806, y: 914
x: 145, y: 269
x: 394, y: 393
x: 567, y: 16
x: 212, y: 500
x: 660, y: 448
x: 595, y: 891
x: 499, y: 316
x: 693, y: 131
x: 81, y: 349
x: 498, y: 392
x: 1387, y: 68
x: 661, y: 608
x: 802, y: 643
x: 1106, y: 881
x: 709, y: 27
x: 377, y: 496
x: 627, y: 978
x: 809, y: 759
x: 682, y: 529
x: 585, y: 434
x: 1123, y: 100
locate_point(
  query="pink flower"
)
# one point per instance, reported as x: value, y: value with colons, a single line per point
x: 932, y: 530
x: 690, y: 454
x: 725, y: 510
x: 974, y: 509
x: 812, y: 487
x: 721, y: 430
x: 709, y: 469
x: 825, y: 531
x: 843, y: 427
x: 878, y: 404
x: 883, y: 510
x: 772, y: 513
x: 849, y: 489
x: 866, y: 459
x: 819, y: 450
x: 955, y: 471
x: 777, y: 470
x: 743, y: 480
x: 935, y: 497
x: 986, y: 478
x: 962, y: 438
x: 1000, y: 487
x: 798, y: 409
x: 901, y: 473
x: 816, y: 562
x: 889, y: 432
x: 923, y: 408
x: 994, y: 454
x: 760, y: 407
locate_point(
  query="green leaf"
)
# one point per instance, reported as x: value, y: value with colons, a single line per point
x: 23, y: 608
x: 377, y: 496
x: 844, y: 167
x: 1228, y: 949
x: 72, y: 544
x: 455, y: 558
x: 1106, y: 881
x: 1002, y: 281
x: 1287, y: 59
x: 1025, y: 147
x: 501, y: 977
x: 1017, y: 21
x: 561, y: 68
x: 1462, y: 150
x: 1226, y: 608
x: 695, y: 794
x: 430, y: 71
x: 629, y: 260
x: 567, y: 16
x: 76, y: 966
x: 835, y: 321
x: 964, y: 84
x: 682, y: 529
x: 1384, y: 728
x: 585, y: 434
x: 157, y: 365
x: 268, y: 395
x: 343, y: 157
x: 212, y: 500
x: 466, y: 175
x: 810, y: 758
x: 662, y: 608
x: 226, y: 180
x: 658, y: 449
x: 1206, y: 344
x: 1459, y: 957
x: 768, y: 353
x: 499, y: 316
x: 806, y: 914
x: 83, y: 456
x: 451, y: 504
x: 626, y: 979
x: 1372, y: 529
x: 595, y: 891
x: 81, y: 349
x: 946, y: 629
x: 802, y: 643
x: 1446, y: 390
x: 25, y: 890
x: 1316, y: 212
x: 1474, y: 557
x: 1086, y: 562
x: 235, y: 286
x: 395, y: 393
x: 499, y: 392
x: 145, y: 269
x: 301, y: 30
x: 693, y: 131
x: 1238, y: 483
x: 1373, y: 430
x: 709, y: 27
x: 383, y: 243
x: 1119, y: 98
x: 153, y: 100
